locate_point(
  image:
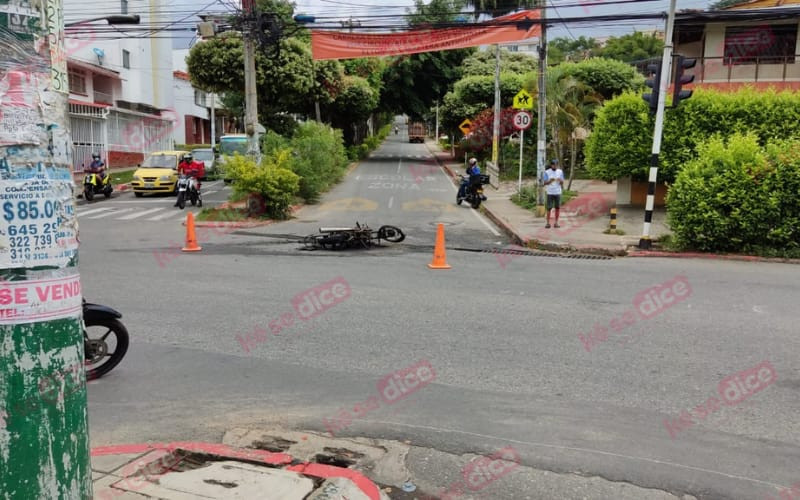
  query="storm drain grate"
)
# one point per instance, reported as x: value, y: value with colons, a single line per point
x: 339, y: 457
x: 539, y: 253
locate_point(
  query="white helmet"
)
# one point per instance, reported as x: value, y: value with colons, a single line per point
x: 473, y: 161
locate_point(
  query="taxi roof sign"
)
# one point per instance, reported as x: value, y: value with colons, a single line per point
x: 523, y: 100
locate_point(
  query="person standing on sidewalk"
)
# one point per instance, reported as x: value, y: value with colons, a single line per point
x: 553, y: 180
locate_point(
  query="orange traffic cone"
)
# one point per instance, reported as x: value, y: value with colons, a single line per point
x: 191, y: 239
x: 439, y: 258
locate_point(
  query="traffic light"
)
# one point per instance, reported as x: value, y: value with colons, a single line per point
x: 679, y: 95
x: 653, y: 83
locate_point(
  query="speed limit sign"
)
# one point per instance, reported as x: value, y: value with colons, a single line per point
x: 522, y: 120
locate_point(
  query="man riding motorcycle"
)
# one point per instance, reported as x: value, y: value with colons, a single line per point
x: 98, y: 168
x: 188, y: 166
x: 472, y: 169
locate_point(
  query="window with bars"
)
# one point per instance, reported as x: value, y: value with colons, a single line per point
x: 77, y: 81
x: 766, y: 44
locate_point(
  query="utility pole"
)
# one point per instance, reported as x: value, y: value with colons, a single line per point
x: 496, y: 129
x: 437, y: 121
x: 44, y: 438
x: 213, y: 120
x: 251, y: 97
x: 541, y: 134
x: 666, y: 71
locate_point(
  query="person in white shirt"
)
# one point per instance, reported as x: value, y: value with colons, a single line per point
x: 553, y: 180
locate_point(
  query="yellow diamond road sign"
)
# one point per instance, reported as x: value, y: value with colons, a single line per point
x: 523, y: 100
x: 466, y: 126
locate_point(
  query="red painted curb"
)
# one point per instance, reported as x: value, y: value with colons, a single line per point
x: 221, y: 450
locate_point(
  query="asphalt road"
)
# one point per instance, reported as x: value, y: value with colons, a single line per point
x: 500, y: 334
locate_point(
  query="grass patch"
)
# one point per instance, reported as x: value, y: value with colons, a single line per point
x: 222, y: 214
x: 123, y: 177
x: 618, y: 232
x: 527, y: 199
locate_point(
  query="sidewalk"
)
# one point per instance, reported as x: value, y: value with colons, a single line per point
x: 582, y: 220
x: 190, y: 470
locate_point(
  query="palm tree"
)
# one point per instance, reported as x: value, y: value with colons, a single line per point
x: 570, y: 107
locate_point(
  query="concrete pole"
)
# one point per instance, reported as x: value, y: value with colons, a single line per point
x: 496, y: 130
x: 44, y: 439
x: 250, y: 95
x: 541, y: 134
x: 213, y: 120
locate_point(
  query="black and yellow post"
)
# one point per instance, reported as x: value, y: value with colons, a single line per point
x: 612, y: 225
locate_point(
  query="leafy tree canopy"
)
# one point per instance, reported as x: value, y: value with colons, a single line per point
x: 568, y: 49
x: 483, y: 62
x: 632, y: 47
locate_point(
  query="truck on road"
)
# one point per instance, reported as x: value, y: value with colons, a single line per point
x: 416, y: 132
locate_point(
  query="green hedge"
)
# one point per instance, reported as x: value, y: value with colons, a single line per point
x: 319, y: 158
x: 272, y: 179
x: 739, y: 196
x: 622, y: 135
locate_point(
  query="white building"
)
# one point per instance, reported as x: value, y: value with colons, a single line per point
x: 193, y: 106
x: 121, y: 94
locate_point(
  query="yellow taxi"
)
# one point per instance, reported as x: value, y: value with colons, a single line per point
x: 158, y: 173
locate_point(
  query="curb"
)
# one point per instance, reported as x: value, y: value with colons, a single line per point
x: 697, y: 255
x: 322, y: 471
x: 534, y: 243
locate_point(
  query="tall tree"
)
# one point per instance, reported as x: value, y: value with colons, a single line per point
x: 483, y: 62
x: 413, y: 83
x: 566, y: 49
x: 632, y: 47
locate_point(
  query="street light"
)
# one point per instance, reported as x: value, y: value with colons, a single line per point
x: 112, y: 19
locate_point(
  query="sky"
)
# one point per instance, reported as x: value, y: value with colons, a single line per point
x: 337, y: 11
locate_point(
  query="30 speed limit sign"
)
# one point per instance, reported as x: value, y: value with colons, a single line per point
x: 522, y: 120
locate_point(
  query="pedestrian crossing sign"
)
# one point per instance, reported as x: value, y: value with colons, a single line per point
x: 523, y: 100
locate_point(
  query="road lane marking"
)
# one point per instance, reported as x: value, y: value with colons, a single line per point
x: 136, y: 215
x: 391, y: 201
x: 163, y: 216
x: 107, y: 214
x: 93, y: 211
x: 210, y: 192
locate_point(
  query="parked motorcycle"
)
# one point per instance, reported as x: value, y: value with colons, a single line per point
x: 92, y: 186
x: 474, y: 190
x: 187, y: 188
x: 103, y: 323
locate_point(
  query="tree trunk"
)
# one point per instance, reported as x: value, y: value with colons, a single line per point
x: 572, y: 160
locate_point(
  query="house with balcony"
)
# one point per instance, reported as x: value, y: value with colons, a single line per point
x: 121, y: 102
x: 742, y: 46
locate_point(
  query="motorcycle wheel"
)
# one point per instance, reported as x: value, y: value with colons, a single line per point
x: 138, y: 194
x: 181, y: 200
x: 459, y: 200
x: 88, y: 193
x: 108, y: 191
x: 193, y: 199
x: 476, y: 203
x: 97, y: 346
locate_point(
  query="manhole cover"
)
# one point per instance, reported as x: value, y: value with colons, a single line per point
x: 435, y: 224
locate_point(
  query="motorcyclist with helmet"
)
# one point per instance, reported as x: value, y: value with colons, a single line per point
x: 188, y: 166
x: 472, y: 169
x: 98, y: 168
